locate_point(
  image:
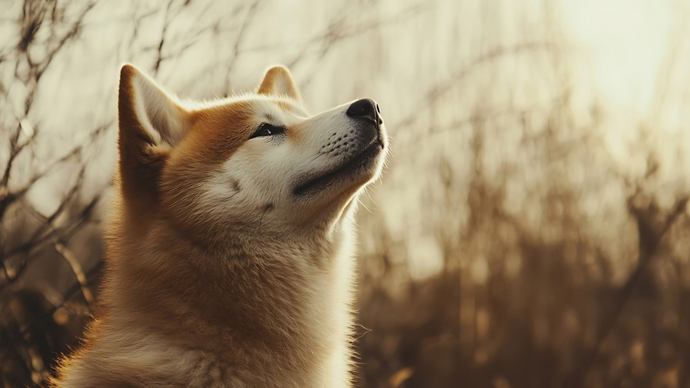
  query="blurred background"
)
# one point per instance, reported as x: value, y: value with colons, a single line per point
x: 531, y: 228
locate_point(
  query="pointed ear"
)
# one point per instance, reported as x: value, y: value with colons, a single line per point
x: 151, y: 123
x: 154, y: 111
x: 279, y: 82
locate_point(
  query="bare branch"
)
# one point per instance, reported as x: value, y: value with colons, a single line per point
x: 67, y: 254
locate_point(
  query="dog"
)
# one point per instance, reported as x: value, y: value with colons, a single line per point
x: 230, y: 243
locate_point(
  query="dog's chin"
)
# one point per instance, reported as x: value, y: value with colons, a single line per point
x: 346, y: 178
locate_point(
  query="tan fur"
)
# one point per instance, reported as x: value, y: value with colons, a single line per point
x: 190, y: 298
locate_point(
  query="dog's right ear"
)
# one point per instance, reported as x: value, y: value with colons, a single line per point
x: 151, y: 122
x: 278, y: 81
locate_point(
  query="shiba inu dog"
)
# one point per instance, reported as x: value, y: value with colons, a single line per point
x: 230, y: 246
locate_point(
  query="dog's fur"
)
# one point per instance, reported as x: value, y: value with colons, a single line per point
x: 229, y: 259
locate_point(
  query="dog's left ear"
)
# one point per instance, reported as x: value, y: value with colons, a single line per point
x: 279, y: 82
x: 151, y: 124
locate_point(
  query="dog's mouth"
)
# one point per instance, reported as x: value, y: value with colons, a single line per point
x: 352, y: 167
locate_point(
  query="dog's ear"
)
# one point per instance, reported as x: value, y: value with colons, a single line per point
x: 279, y: 82
x: 151, y: 123
x: 144, y: 106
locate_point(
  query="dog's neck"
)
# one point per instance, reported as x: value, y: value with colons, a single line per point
x: 286, y: 301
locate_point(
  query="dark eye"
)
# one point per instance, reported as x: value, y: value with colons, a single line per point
x: 266, y: 129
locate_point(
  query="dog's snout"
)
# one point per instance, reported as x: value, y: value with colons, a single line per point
x: 366, y: 109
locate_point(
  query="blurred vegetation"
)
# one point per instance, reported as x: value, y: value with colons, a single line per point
x: 526, y: 232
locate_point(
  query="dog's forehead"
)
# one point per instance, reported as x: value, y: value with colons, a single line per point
x: 279, y: 110
x: 249, y: 110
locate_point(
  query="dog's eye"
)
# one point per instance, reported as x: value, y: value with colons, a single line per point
x: 266, y: 129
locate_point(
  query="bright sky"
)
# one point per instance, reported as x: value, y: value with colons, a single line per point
x: 624, y: 42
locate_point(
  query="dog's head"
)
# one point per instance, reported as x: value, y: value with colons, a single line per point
x: 256, y: 162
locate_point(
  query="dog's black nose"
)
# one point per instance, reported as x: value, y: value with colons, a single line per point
x: 365, y: 109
